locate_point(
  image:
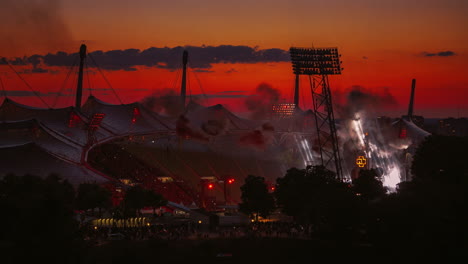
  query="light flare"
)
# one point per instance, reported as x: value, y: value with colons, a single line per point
x: 381, y: 154
x: 392, y: 178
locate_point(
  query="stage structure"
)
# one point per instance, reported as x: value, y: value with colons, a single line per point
x: 317, y: 64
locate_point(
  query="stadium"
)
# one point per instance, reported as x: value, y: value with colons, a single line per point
x: 197, y: 158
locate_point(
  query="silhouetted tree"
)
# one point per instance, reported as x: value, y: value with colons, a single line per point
x: 134, y: 200
x: 368, y: 186
x: 256, y: 200
x: 137, y: 198
x: 91, y: 195
x: 315, y: 196
x: 442, y: 158
x: 292, y: 193
x: 429, y: 213
x: 37, y: 216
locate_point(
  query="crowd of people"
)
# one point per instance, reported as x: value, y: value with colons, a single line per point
x: 192, y: 230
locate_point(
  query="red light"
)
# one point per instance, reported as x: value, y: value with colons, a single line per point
x: 73, y: 120
x: 403, y: 132
x: 136, y: 113
x: 96, y: 120
x: 272, y: 188
x: 210, y: 186
x: 230, y: 181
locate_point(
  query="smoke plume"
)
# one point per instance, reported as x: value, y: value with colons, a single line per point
x: 214, y: 127
x: 260, y: 103
x: 258, y: 138
x: 32, y: 26
x: 359, y: 99
x: 184, y: 130
x: 164, y: 101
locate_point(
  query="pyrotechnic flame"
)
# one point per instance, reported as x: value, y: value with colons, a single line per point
x: 392, y: 178
x: 368, y: 139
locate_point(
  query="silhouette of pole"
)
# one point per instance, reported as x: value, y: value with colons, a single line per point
x: 79, y: 88
x: 318, y: 63
x: 410, y: 107
x: 184, y: 77
x: 296, y: 92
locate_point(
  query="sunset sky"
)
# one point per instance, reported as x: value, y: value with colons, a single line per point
x: 384, y: 44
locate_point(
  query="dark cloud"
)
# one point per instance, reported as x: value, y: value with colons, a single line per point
x: 14, y: 61
x: 202, y: 70
x: 39, y: 70
x: 240, y: 91
x: 23, y: 93
x: 54, y: 71
x: 200, y: 58
x: 219, y: 95
x: 439, y: 54
x: 231, y: 70
x: 97, y: 89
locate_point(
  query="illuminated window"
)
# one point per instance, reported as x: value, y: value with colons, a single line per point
x: 283, y: 110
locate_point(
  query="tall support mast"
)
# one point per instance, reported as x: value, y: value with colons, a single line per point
x: 79, y: 88
x: 411, y: 102
x: 318, y: 63
x: 296, y: 92
x: 184, y: 78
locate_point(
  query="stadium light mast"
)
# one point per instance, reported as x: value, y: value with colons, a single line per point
x: 79, y: 88
x: 317, y: 64
x: 296, y: 92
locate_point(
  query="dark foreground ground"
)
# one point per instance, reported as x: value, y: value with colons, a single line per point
x: 231, y: 250
x: 255, y: 250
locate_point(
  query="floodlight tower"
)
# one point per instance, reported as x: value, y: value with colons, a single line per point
x: 317, y: 64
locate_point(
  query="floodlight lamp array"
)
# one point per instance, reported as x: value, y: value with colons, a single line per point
x: 315, y: 61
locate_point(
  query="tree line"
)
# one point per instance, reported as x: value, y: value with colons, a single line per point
x: 428, y: 213
x: 39, y: 215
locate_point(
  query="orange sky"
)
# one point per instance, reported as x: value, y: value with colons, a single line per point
x: 382, y: 45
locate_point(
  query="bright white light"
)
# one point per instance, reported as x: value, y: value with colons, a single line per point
x: 357, y: 129
x: 381, y: 155
x: 392, y: 177
x: 303, y: 150
x: 307, y: 150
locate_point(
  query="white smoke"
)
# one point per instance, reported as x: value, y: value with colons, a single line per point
x: 361, y: 134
